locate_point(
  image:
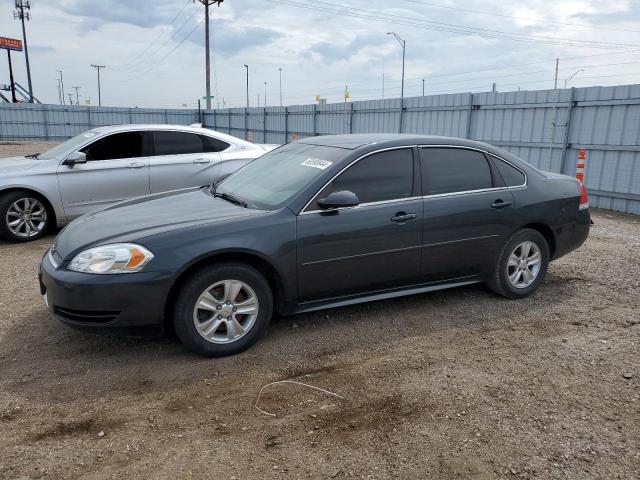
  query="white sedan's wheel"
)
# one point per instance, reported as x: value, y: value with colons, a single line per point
x: 23, y: 217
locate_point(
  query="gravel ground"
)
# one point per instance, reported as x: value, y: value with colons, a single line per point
x: 451, y: 384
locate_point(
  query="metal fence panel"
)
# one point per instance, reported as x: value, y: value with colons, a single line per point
x: 545, y: 127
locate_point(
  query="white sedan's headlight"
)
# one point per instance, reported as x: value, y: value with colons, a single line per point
x: 115, y: 258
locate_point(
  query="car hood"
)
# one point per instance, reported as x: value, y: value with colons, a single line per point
x: 20, y: 164
x: 135, y: 219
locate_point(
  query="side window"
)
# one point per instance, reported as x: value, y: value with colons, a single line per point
x: 511, y: 175
x: 177, y: 143
x: 376, y: 178
x: 213, y: 144
x: 449, y: 170
x: 118, y: 145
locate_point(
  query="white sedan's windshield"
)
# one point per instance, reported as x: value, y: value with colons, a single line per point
x: 70, y: 145
x: 274, y: 178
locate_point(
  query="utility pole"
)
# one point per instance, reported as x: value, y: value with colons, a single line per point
x: 247, y: 67
x: 71, y: 99
x: 206, y: 4
x: 383, y: 78
x: 265, y: 94
x: 493, y: 88
x: 77, y: 95
x: 59, y: 91
x: 423, y: 87
x: 19, y: 13
x: 98, y: 67
x: 61, y: 86
x: 280, y: 70
x: 555, y: 82
x: 404, y: 47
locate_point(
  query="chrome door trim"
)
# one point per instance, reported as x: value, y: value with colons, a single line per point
x: 304, y: 212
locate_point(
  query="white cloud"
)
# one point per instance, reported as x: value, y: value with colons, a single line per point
x: 319, y: 52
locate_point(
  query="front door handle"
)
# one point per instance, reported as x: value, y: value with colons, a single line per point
x: 501, y: 204
x: 202, y: 161
x: 402, y: 217
x: 135, y: 165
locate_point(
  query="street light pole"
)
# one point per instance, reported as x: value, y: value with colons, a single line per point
x: 247, y: 67
x: 98, y: 67
x: 423, y: 87
x: 265, y: 94
x: 404, y: 47
x: 570, y: 77
x: 280, y: 70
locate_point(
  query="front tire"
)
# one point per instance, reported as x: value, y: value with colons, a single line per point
x: 24, y: 216
x: 223, y: 310
x: 522, y: 265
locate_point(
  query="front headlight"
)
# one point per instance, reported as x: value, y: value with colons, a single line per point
x: 115, y: 258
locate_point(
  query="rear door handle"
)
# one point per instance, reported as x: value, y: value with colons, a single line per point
x: 135, y: 165
x: 202, y: 161
x: 501, y: 204
x: 402, y: 217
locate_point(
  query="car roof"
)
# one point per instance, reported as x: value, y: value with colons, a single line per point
x: 354, y: 141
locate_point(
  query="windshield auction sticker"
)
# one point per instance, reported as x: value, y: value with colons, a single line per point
x: 89, y: 134
x: 316, y: 163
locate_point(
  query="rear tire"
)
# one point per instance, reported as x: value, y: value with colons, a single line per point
x: 223, y: 309
x: 24, y: 216
x: 522, y: 265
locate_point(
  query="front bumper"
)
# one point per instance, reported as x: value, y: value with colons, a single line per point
x: 104, y: 301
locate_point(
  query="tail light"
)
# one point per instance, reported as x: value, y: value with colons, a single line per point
x: 584, y: 200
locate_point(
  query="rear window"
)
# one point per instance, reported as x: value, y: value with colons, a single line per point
x: 211, y: 144
x: 512, y: 176
x: 450, y: 170
x: 177, y: 143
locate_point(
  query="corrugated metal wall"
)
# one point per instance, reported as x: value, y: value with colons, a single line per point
x: 545, y: 127
x: 33, y: 121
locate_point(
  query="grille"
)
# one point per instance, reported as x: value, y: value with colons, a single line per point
x: 86, y: 316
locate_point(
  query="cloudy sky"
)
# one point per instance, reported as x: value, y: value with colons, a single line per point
x: 154, y: 49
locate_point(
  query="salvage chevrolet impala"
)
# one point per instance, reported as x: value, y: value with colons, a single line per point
x: 319, y: 223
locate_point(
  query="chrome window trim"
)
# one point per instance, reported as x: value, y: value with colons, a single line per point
x: 464, y: 147
x: 304, y: 211
x: 436, y: 195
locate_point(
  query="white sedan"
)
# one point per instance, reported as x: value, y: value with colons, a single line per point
x: 107, y: 165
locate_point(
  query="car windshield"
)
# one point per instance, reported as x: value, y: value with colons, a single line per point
x: 271, y: 180
x: 70, y: 145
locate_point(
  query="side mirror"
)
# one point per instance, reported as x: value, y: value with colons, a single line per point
x: 341, y: 199
x: 75, y: 157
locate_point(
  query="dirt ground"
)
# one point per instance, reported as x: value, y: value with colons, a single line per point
x: 451, y: 384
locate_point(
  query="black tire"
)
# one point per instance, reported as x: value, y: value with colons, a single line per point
x: 499, y: 281
x: 197, y: 284
x: 7, y: 200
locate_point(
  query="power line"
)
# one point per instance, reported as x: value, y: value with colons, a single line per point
x: 168, y: 54
x: 450, y: 28
x: 151, y: 57
x: 150, y: 44
x: 419, y: 2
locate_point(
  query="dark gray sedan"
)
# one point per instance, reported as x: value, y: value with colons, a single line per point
x: 319, y: 223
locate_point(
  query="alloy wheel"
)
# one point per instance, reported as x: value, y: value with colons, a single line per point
x: 26, y: 217
x: 524, y: 264
x: 225, y: 311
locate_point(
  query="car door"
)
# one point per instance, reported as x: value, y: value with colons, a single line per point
x: 468, y: 213
x: 116, y: 169
x: 182, y: 160
x: 373, y: 246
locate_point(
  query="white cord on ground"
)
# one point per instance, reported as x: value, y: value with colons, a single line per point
x: 290, y: 381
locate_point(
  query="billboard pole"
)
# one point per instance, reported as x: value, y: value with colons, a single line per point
x: 20, y: 14
x: 13, y: 86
